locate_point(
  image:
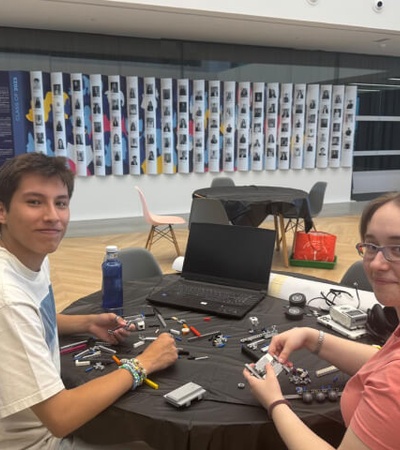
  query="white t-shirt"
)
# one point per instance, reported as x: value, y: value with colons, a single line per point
x: 29, y: 349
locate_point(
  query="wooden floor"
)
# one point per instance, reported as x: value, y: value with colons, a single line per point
x: 76, y: 271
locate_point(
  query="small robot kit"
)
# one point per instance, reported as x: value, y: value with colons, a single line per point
x: 345, y: 320
x: 348, y: 316
x: 258, y: 370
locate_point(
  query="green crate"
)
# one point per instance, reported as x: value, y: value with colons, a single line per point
x: 314, y: 264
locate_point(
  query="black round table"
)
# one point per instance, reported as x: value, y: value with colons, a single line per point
x: 228, y: 417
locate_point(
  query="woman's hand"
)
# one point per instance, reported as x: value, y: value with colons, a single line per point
x: 267, y: 390
x: 283, y: 344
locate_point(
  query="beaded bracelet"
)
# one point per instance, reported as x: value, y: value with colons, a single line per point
x: 137, y: 371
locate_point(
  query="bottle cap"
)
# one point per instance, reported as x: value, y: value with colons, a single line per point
x: 111, y: 248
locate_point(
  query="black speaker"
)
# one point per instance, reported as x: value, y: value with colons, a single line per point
x: 381, y: 322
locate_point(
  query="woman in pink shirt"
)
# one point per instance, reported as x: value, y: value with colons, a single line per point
x: 370, y: 400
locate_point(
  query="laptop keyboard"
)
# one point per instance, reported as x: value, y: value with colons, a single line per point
x: 222, y: 301
x: 221, y: 295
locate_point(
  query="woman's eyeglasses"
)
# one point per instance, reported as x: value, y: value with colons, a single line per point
x: 369, y: 251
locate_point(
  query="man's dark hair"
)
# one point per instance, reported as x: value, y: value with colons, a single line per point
x: 13, y: 170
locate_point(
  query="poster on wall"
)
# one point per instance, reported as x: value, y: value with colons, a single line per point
x: 285, y: 128
x: 272, y: 124
x: 16, y: 118
x: 257, y: 130
x: 228, y: 126
x: 349, y: 122
x: 78, y: 126
x: 59, y: 114
x: 38, y: 111
x: 336, y: 126
x: 311, y: 121
x: 324, y: 124
x: 243, y: 125
x: 199, y: 106
x: 183, y: 135
x: 214, y: 112
x: 297, y: 141
x: 96, y: 105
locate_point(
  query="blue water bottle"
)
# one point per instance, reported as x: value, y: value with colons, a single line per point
x: 112, y: 281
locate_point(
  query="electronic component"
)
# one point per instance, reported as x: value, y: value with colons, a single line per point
x: 328, y: 322
x: 348, y: 316
x: 265, y: 359
x: 184, y: 395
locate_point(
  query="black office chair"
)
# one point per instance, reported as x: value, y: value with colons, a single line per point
x: 207, y: 210
x: 138, y: 263
x: 316, y: 200
x: 222, y: 181
x: 355, y: 276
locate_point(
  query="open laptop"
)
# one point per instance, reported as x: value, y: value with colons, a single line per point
x: 225, y: 271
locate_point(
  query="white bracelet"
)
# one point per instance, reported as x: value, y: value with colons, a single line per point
x: 320, y: 341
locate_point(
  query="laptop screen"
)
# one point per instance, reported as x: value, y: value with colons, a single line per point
x: 230, y: 255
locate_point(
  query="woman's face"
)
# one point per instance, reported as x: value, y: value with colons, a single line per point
x: 384, y: 276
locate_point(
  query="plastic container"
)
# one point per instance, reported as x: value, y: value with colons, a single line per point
x: 112, y: 282
x: 314, y: 264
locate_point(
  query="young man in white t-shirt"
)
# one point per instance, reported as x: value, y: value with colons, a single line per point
x: 36, y: 411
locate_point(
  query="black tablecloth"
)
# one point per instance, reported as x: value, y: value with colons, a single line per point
x: 228, y: 417
x: 250, y: 205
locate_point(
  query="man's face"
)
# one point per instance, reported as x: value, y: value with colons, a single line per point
x: 36, y: 220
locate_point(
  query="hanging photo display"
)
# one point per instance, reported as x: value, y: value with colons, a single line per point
x: 149, y: 106
x: 336, y: 126
x: 285, y: 127
x: 115, y: 102
x: 39, y: 127
x: 167, y: 125
x: 96, y: 104
x: 118, y: 125
x: 199, y: 106
x: 349, y: 123
x: 132, y: 89
x: 78, y: 119
x: 297, y: 142
x: 311, y: 123
x: 183, y: 144
x: 323, y: 137
x: 271, y: 129
x: 228, y: 126
x: 243, y: 125
x: 59, y: 125
x: 257, y: 130
x: 214, y: 112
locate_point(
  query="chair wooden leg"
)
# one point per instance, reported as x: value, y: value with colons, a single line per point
x: 150, y: 238
x: 174, y: 240
x: 284, y: 244
x: 277, y: 241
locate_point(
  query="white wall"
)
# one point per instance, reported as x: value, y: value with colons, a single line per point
x: 115, y: 197
x: 352, y: 13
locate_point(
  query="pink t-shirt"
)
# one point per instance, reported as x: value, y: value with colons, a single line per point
x: 371, y: 398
